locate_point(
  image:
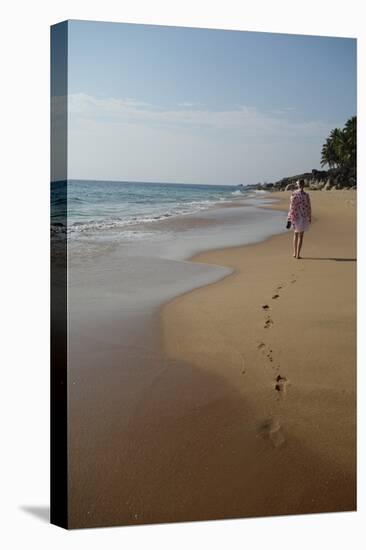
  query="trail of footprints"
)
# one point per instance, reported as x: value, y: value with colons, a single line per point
x: 280, y: 382
x: 271, y: 428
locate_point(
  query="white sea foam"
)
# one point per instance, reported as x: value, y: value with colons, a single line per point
x: 184, y: 209
x: 91, y: 208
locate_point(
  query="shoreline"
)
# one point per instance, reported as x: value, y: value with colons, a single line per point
x: 203, y: 328
x: 279, y: 204
x: 123, y: 389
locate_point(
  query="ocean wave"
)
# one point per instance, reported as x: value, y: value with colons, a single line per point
x: 100, y: 225
x: 95, y: 222
x: 75, y: 200
x: 179, y: 209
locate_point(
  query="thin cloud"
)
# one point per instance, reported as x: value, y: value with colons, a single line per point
x: 244, y: 120
x: 122, y: 138
x: 189, y: 104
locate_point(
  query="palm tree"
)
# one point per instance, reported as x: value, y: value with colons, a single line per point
x: 339, y: 149
x: 339, y: 143
x: 350, y: 134
x: 329, y: 154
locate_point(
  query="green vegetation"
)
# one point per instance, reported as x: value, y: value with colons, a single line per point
x: 340, y: 150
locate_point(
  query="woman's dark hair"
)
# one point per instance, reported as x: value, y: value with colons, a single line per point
x: 302, y: 183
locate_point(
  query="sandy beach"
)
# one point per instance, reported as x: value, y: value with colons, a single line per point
x: 264, y: 420
x: 235, y: 399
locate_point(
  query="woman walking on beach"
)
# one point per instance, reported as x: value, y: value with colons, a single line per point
x: 299, y: 216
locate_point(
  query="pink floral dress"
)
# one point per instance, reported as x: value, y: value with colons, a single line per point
x: 300, y: 211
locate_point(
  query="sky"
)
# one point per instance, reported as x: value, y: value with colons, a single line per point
x: 182, y: 105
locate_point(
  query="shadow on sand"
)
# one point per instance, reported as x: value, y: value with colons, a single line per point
x: 188, y: 447
x: 333, y: 259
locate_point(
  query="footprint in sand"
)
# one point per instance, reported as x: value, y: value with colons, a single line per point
x: 280, y: 384
x: 268, y: 352
x: 275, y: 297
x: 268, y: 323
x: 271, y: 429
x: 265, y: 306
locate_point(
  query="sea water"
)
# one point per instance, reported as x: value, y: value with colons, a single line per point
x: 129, y: 243
x: 102, y: 205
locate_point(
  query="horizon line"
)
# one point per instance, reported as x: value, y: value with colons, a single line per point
x: 153, y: 182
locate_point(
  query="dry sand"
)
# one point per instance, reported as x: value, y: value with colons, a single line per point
x: 261, y: 419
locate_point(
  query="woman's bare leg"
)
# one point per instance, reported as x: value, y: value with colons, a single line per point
x: 296, y: 235
x: 299, y: 244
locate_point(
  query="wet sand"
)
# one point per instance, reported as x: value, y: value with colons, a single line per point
x: 122, y: 389
x: 220, y: 408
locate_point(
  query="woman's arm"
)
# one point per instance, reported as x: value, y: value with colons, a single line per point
x: 290, y: 214
x: 309, y: 208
